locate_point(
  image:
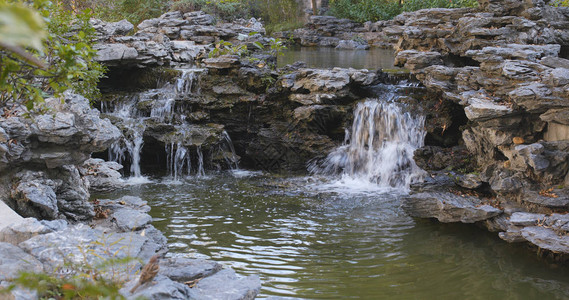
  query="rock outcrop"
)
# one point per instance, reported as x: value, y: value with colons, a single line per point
x: 505, y: 63
x: 171, y: 39
x: 39, y: 156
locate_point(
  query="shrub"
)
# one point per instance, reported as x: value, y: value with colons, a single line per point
x: 60, y: 60
x: 375, y: 10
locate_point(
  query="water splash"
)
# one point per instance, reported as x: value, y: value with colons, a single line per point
x: 379, y: 148
x: 230, y: 156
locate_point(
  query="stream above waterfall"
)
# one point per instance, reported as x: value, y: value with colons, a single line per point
x: 313, y: 244
x: 325, y: 57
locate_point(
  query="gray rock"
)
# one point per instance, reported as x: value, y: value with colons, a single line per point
x: 469, y: 181
x: 227, y: 285
x: 555, y: 62
x: 512, y: 236
x: 18, y: 293
x: 82, y: 244
x: 160, y: 288
x: 34, y: 196
x: 351, y: 45
x: 562, y: 201
x: 107, y: 53
x: 185, y: 269
x: 109, y: 29
x: 128, y: 219
x: 28, y: 228
x: 480, y: 109
x: 546, y: 238
x: 526, y: 219
x: 14, y: 260
x: 558, y: 222
x: 102, y: 176
x: 560, y: 116
x: 448, y: 207
x: 222, y: 62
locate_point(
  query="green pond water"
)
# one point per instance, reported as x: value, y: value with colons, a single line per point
x: 316, y: 238
x: 326, y: 57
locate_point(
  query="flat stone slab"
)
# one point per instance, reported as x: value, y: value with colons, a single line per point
x: 160, y: 288
x: 185, y: 269
x: 8, y: 216
x: 27, y: 228
x: 227, y: 285
x: 546, y: 238
x: 448, y: 207
x: 526, y: 219
x: 53, y: 249
x: 14, y: 260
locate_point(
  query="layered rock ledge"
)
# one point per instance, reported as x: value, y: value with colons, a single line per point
x: 505, y: 63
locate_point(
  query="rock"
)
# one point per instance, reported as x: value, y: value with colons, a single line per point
x: 102, y: 176
x: 185, y: 269
x: 483, y: 109
x: 546, y: 238
x: 34, y: 196
x: 413, y: 59
x: 469, y: 181
x: 512, y: 236
x: 128, y: 219
x: 8, y: 216
x: 222, y: 62
x: 559, y: 116
x: 555, y: 62
x: 558, y: 222
x: 561, y: 201
x: 526, y: 219
x: 65, y: 136
x: 55, y: 248
x: 161, y: 288
x: 14, y: 260
x: 107, y: 53
x: 109, y: 29
x: 21, y: 231
x: 226, y: 285
x: 447, y: 207
x: 351, y: 45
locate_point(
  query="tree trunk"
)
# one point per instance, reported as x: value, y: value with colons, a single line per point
x: 314, y: 8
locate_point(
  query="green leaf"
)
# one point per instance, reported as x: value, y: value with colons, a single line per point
x: 21, y: 27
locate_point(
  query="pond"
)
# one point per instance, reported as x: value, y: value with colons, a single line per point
x: 317, y: 238
x: 326, y: 57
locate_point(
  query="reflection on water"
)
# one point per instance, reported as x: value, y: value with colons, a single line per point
x: 329, y: 245
x: 325, y: 57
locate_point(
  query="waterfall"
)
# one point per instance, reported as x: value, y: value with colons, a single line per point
x: 134, y: 120
x: 231, y: 158
x: 379, y: 148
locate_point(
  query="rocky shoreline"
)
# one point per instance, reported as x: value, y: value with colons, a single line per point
x: 495, y: 84
x: 51, y: 181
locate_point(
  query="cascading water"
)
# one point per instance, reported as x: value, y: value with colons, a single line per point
x: 162, y: 102
x: 379, y: 149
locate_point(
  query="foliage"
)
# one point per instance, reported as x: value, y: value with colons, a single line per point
x: 558, y: 3
x: 278, y: 15
x: 228, y: 48
x: 365, y: 10
x: 374, y: 10
x: 222, y: 9
x: 413, y: 5
x: 61, y: 61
